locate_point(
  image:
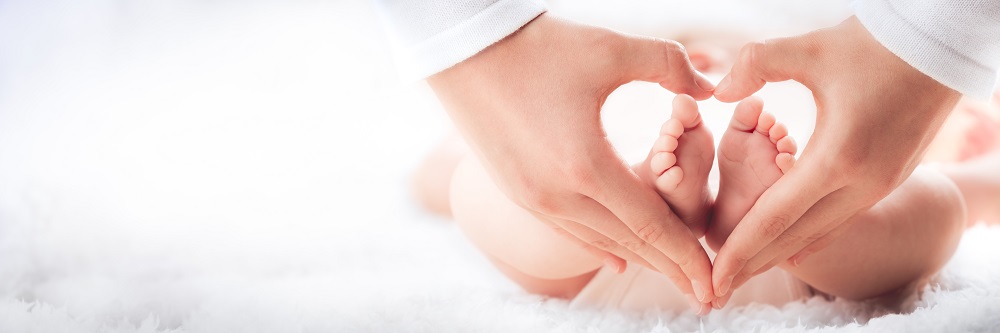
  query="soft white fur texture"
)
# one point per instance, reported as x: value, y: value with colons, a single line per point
x: 242, y: 167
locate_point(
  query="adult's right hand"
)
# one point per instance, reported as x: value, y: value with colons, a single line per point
x: 529, y: 106
x: 876, y: 115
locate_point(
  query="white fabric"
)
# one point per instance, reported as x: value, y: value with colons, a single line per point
x: 955, y: 42
x: 179, y: 190
x: 433, y: 35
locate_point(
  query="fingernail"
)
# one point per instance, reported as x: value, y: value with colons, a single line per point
x: 703, y: 82
x: 699, y: 290
x: 705, y: 310
x: 721, y: 88
x: 722, y: 301
x: 798, y: 259
x: 717, y: 304
x: 611, y: 264
x: 724, y: 288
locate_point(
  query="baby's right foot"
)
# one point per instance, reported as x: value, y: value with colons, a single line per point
x: 754, y: 152
x: 679, y: 162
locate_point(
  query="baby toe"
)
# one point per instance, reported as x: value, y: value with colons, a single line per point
x: 670, y: 178
x: 661, y: 162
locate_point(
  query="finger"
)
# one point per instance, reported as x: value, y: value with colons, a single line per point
x: 654, y: 229
x: 721, y: 302
x: 616, y: 262
x: 614, y: 255
x: 819, y: 221
x: 773, y: 213
x: 610, y: 239
x: 819, y: 244
x: 754, y: 268
x: 666, y: 62
x: 761, y: 62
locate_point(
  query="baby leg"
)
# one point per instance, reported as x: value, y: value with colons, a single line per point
x: 526, y: 250
x: 432, y: 178
x: 892, y: 246
x: 532, y: 254
x: 979, y: 181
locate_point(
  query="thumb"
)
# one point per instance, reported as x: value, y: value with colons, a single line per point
x: 665, y: 62
x: 772, y: 60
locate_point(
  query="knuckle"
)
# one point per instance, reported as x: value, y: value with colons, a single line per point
x: 812, y: 242
x: 603, y: 244
x: 751, y: 54
x: 812, y: 238
x: 633, y: 245
x: 739, y: 259
x: 676, y: 53
x: 581, y: 176
x: 773, y: 226
x: 673, y: 46
x: 678, y: 63
x: 535, y: 199
x: 685, y: 260
x: 787, y: 240
x: 650, y: 233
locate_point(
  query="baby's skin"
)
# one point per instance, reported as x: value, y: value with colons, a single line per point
x: 892, y: 248
x: 756, y: 151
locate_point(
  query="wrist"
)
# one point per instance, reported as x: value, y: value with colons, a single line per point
x: 895, y: 58
x: 875, y: 68
x: 492, y: 57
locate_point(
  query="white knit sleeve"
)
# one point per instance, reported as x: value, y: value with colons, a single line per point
x: 432, y: 35
x: 954, y: 42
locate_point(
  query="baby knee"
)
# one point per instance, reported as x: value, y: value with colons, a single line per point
x: 948, y: 199
x: 947, y: 220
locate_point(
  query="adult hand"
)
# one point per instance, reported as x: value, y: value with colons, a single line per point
x: 876, y: 115
x: 529, y: 106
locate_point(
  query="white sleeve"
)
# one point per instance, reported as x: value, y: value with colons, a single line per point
x: 432, y: 35
x: 954, y: 42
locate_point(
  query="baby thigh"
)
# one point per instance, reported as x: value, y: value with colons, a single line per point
x: 894, y: 246
x: 525, y: 249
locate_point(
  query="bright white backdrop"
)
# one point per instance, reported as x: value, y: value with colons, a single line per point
x: 217, y: 166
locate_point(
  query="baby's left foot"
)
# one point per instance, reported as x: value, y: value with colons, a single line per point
x: 754, y: 153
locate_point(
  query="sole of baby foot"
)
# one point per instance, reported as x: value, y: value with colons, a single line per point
x: 755, y: 151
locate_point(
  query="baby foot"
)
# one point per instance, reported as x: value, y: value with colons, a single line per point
x: 754, y: 152
x: 679, y: 162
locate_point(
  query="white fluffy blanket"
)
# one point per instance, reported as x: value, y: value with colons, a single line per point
x: 213, y: 167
